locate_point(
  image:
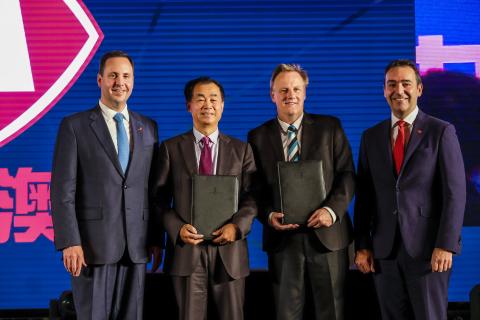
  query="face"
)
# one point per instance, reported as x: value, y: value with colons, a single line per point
x: 116, y: 83
x: 206, y: 106
x: 288, y: 92
x: 402, y: 90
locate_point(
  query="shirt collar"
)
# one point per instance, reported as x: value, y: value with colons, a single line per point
x: 109, y: 113
x: 285, y: 125
x: 199, y: 136
x: 408, y: 119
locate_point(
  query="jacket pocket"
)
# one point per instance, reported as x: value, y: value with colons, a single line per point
x: 424, y: 212
x: 92, y: 213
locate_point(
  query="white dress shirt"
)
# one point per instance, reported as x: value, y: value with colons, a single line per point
x: 108, y: 115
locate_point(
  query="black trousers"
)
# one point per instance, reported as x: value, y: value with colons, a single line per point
x: 305, y: 259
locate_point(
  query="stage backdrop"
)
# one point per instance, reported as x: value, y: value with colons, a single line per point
x: 53, y: 61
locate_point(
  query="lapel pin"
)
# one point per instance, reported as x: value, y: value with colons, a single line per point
x: 419, y: 131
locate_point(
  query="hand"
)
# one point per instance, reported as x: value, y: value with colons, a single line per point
x: 155, y: 254
x: 364, y: 260
x: 189, y: 235
x: 441, y: 260
x: 320, y: 218
x: 225, y: 235
x: 276, y: 222
x: 73, y: 260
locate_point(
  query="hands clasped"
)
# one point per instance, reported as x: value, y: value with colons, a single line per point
x: 225, y: 235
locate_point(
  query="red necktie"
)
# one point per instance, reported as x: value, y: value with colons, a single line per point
x: 399, y: 146
x: 205, y: 166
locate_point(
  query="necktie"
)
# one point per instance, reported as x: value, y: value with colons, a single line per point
x: 205, y: 166
x: 399, y: 146
x: 293, y: 152
x: 122, y: 141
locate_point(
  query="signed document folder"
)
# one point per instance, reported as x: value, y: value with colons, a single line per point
x: 301, y: 189
x: 215, y: 200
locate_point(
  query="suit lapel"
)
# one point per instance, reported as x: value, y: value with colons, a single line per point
x: 276, y: 140
x: 418, y: 132
x: 137, y: 140
x: 224, y: 153
x: 307, y: 135
x: 187, y: 148
x: 100, y: 129
x: 385, y: 146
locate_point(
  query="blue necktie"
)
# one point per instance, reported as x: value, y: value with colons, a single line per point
x: 122, y: 142
x: 293, y: 152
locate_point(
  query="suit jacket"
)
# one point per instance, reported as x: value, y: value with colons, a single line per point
x: 177, y: 165
x: 427, y: 199
x: 93, y: 203
x: 322, y: 139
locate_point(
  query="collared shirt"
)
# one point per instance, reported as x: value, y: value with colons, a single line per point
x: 108, y: 115
x: 284, y: 134
x: 213, y: 145
x: 410, y: 119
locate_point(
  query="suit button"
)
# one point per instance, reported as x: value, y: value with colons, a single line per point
x: 125, y: 186
x: 395, y: 212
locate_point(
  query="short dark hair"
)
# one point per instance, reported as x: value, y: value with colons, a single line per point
x: 404, y: 63
x: 113, y: 54
x: 190, y: 86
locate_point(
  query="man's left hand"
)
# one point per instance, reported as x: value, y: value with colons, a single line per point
x: 320, y: 218
x: 225, y: 235
x: 155, y: 254
x: 441, y: 260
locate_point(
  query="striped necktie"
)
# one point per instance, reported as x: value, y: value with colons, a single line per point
x: 122, y: 142
x: 293, y: 151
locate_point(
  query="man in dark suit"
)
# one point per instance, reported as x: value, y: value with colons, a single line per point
x: 100, y: 203
x: 317, y: 251
x: 410, y: 202
x: 199, y: 268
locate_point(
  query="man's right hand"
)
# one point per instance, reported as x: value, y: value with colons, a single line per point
x: 189, y: 234
x: 73, y: 260
x: 364, y: 260
x: 275, y: 221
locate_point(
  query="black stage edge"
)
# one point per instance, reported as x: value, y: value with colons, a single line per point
x: 361, y: 301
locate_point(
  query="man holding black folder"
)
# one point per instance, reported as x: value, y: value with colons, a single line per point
x: 203, y: 268
x: 316, y: 250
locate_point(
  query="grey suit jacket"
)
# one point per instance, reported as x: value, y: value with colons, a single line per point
x: 322, y: 139
x: 93, y: 203
x: 427, y: 199
x: 173, y: 185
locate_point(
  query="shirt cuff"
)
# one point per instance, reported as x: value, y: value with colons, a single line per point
x: 334, y: 216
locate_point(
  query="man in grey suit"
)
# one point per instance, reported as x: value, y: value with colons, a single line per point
x: 199, y: 268
x: 100, y: 201
x: 410, y: 202
x: 317, y: 251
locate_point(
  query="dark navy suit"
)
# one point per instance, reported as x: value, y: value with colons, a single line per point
x: 403, y: 217
x: 97, y: 206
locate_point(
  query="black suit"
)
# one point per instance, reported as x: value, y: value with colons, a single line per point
x: 96, y: 206
x: 322, y: 139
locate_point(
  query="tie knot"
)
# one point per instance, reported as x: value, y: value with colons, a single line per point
x: 118, y: 117
x: 402, y: 124
x: 292, y: 128
x: 205, y: 141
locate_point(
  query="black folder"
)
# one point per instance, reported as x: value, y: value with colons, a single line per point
x: 301, y: 189
x: 214, y: 201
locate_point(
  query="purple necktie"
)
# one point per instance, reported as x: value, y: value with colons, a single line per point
x: 205, y: 166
